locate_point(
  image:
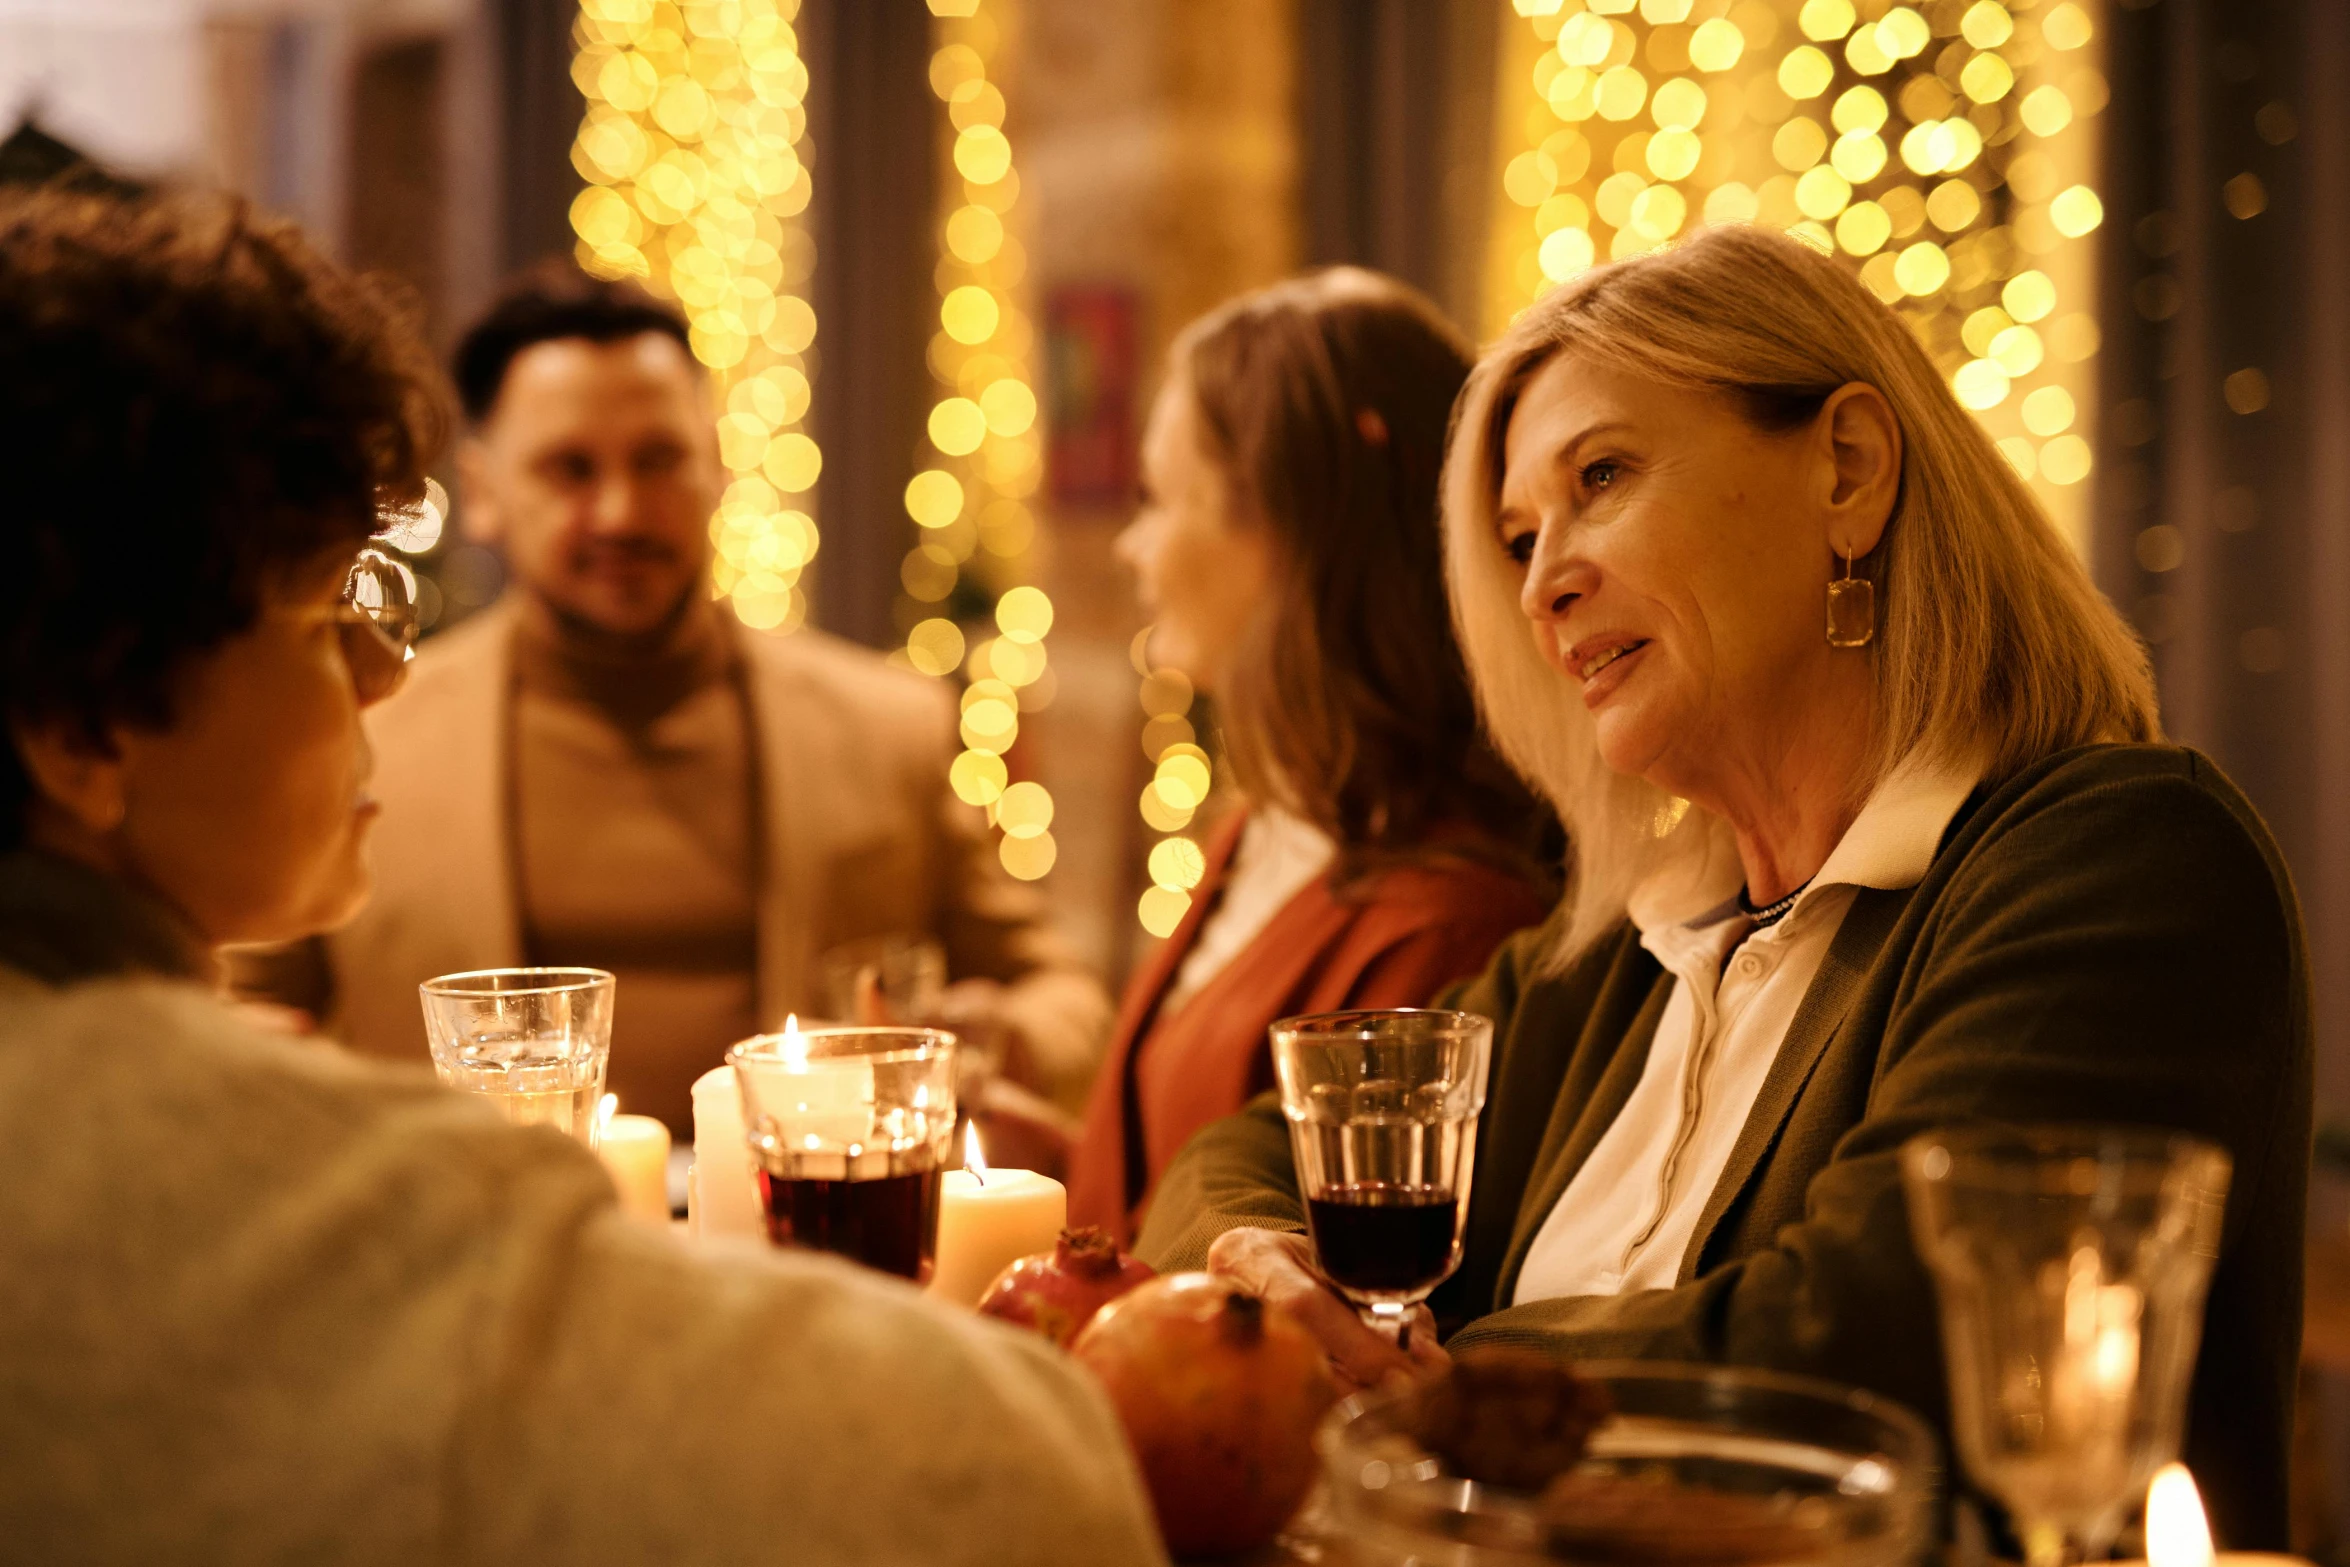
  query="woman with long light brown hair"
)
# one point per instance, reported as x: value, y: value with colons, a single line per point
x: 1874, y: 834
x: 1288, y: 544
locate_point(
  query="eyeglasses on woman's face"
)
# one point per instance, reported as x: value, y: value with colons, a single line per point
x: 379, y: 623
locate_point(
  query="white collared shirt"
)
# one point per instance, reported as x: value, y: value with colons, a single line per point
x: 1629, y: 1217
x: 1278, y: 854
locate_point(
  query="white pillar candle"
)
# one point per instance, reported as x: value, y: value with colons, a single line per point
x: 990, y: 1219
x: 2179, y: 1535
x: 724, y: 1198
x: 635, y: 1148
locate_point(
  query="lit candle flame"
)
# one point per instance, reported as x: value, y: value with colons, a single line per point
x: 973, y: 1159
x: 795, y: 1049
x: 2177, y: 1534
x: 605, y: 1108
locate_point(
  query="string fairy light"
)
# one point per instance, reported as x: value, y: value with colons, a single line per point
x: 1180, y: 778
x: 694, y: 147
x: 968, y: 501
x: 1943, y: 148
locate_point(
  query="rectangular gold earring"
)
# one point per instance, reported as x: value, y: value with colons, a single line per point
x: 1852, y: 610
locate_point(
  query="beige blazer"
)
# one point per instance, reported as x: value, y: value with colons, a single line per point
x: 860, y: 835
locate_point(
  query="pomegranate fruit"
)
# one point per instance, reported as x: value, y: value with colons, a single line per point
x: 1056, y: 1292
x: 1219, y: 1394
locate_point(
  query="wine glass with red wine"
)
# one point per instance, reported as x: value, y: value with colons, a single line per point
x: 1382, y: 1110
x: 851, y: 1131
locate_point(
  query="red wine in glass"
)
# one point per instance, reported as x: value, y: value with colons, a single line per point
x: 1382, y: 1109
x: 1383, y: 1237
x: 889, y: 1222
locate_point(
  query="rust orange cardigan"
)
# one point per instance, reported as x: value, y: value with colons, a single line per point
x: 1393, y: 939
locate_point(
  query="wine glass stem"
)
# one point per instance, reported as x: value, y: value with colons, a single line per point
x: 1392, y: 1322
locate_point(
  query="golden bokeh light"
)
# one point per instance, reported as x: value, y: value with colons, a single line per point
x: 983, y: 463
x: 927, y: 573
x: 1716, y: 45
x: 1827, y: 19
x: 978, y: 777
x: 982, y: 155
x: 957, y: 427
x: 1181, y: 778
x: 1945, y: 150
x: 970, y: 314
x: 935, y: 647
x: 1025, y: 810
x: 1009, y: 406
x: 1024, y: 614
x: 1029, y: 859
x: 2065, y: 460
x: 1165, y: 730
x: 934, y: 498
x: 691, y: 147
x: 2048, y: 411
x: 1162, y: 813
x: 991, y: 724
x: 1162, y: 909
x: 1177, y: 863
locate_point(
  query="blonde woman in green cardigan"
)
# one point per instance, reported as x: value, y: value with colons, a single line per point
x: 1873, y: 832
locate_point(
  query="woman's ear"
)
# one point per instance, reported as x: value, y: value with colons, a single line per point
x: 1864, y: 442
x: 80, y: 781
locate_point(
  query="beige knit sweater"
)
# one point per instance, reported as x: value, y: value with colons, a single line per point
x: 262, y: 1301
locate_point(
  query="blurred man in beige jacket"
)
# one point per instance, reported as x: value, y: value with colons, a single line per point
x: 607, y: 768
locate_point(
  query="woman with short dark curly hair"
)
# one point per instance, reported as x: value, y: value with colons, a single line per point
x: 199, y: 416
x: 268, y: 1301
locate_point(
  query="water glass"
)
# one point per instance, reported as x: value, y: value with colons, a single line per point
x: 851, y: 1130
x: 534, y: 1041
x: 1382, y: 1109
x: 2071, y: 1264
x: 908, y: 974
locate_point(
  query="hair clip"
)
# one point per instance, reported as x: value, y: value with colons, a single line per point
x: 1371, y: 427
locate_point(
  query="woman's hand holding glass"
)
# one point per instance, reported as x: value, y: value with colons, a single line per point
x: 1278, y: 1267
x: 1382, y: 1109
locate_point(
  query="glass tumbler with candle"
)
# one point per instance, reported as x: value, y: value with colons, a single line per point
x: 1382, y: 1109
x: 851, y: 1130
x: 534, y: 1041
x: 2071, y: 1264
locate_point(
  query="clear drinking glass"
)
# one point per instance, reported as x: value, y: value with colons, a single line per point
x: 909, y: 974
x: 2071, y: 1264
x: 1382, y: 1110
x: 533, y: 1040
x: 851, y: 1130
x: 908, y: 977
x: 1841, y: 1478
